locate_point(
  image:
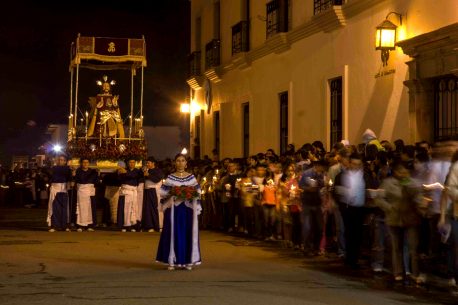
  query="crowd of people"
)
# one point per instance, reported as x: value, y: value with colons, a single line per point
x: 396, y: 198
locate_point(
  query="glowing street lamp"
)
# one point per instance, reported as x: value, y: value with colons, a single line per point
x: 385, y: 37
x: 185, y: 108
x: 57, y: 148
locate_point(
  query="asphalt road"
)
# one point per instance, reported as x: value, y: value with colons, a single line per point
x: 110, y: 267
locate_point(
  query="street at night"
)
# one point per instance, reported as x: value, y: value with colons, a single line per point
x: 110, y: 267
x: 229, y: 152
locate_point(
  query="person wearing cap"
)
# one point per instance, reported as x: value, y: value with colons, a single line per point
x: 127, y: 205
x: 151, y: 198
x: 369, y: 138
x: 58, y: 205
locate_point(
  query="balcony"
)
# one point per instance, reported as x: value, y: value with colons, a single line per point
x: 195, y: 79
x: 324, y: 5
x: 240, y: 37
x: 329, y: 15
x: 213, y: 61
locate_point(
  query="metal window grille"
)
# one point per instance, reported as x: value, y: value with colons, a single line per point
x: 323, y: 5
x: 197, y: 125
x: 277, y: 17
x: 336, y: 109
x: 246, y: 129
x: 446, y: 109
x: 240, y: 42
x: 212, y: 54
x: 216, y: 129
x: 283, y: 121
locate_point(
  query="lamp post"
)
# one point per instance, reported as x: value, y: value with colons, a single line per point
x: 385, y: 37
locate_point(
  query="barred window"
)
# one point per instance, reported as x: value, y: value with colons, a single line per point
x: 246, y: 129
x: 240, y: 42
x: 277, y: 17
x: 446, y: 108
x: 283, y: 121
x: 212, y: 54
x: 336, y: 109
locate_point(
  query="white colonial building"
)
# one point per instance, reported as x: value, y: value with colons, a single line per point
x: 265, y: 73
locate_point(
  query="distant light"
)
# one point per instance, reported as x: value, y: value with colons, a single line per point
x: 184, y: 151
x: 57, y: 148
x: 185, y: 108
x: 99, y: 82
x: 195, y: 108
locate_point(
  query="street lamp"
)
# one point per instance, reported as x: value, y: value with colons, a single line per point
x: 185, y: 108
x: 57, y: 148
x: 385, y: 37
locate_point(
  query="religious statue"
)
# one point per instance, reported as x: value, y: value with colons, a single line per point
x: 105, y: 114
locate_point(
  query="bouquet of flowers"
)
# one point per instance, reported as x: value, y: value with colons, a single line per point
x: 184, y: 192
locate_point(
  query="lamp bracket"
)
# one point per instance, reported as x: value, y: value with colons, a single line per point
x: 397, y: 14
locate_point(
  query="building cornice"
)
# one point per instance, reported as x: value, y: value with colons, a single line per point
x: 433, y: 54
x: 327, y: 21
x: 446, y: 37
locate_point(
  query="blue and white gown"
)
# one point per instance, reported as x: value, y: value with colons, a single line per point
x: 179, y: 242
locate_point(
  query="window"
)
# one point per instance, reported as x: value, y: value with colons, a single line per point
x: 446, y: 109
x: 283, y: 121
x: 216, y: 19
x: 212, y: 54
x: 216, y: 129
x: 323, y: 5
x: 277, y: 17
x: 197, y: 137
x: 335, y: 86
x: 198, y: 33
x: 240, y: 42
x: 194, y: 64
x: 246, y: 129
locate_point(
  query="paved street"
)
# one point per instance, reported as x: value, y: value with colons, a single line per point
x: 110, y: 267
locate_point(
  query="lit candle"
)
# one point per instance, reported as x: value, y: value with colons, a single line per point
x: 217, y: 171
x: 292, y: 191
x: 87, y: 118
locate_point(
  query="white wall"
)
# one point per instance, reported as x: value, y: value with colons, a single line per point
x: 379, y: 103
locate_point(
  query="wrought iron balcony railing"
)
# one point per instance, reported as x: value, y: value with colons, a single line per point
x: 323, y: 5
x: 212, y: 54
x: 240, y: 37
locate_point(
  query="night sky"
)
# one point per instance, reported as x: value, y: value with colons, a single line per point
x: 35, y: 41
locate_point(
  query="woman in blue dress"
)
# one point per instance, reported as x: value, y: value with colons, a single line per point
x: 179, y: 242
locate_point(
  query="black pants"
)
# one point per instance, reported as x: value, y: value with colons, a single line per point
x: 353, y: 218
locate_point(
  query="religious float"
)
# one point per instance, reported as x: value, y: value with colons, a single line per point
x: 101, y: 132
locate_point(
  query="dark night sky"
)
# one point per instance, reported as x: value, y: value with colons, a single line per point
x: 35, y: 43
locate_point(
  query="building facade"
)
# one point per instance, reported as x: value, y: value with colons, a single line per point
x: 265, y: 73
